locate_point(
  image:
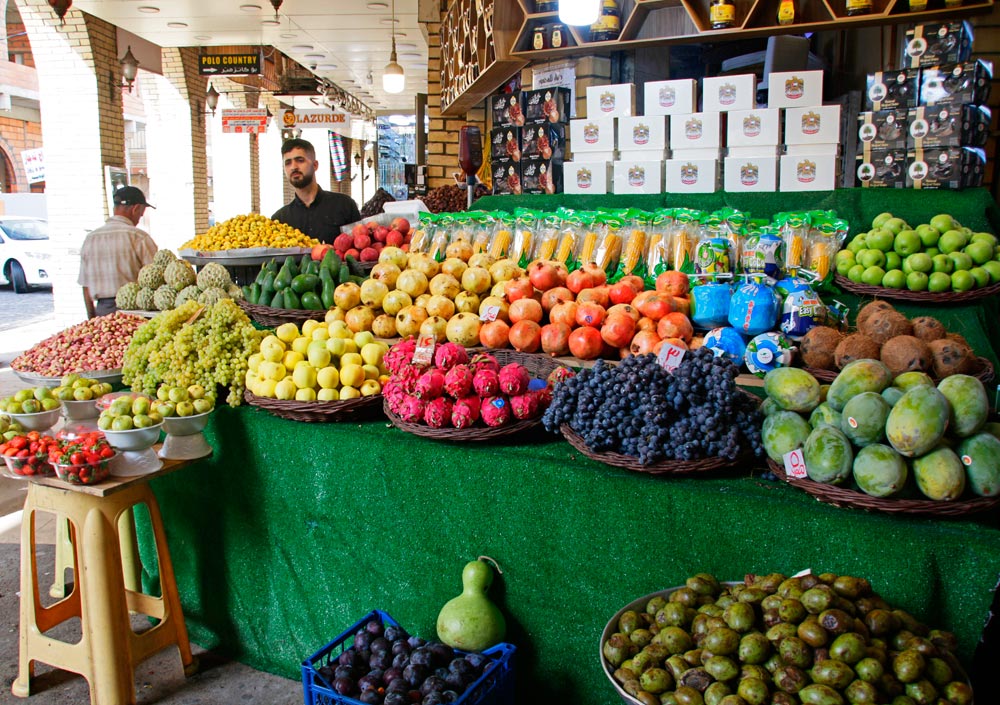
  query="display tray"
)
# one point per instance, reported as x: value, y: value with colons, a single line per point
x: 316, y: 411
x: 272, y: 317
x: 923, y: 297
x: 854, y: 499
x: 144, y: 314
x: 982, y: 370
x: 245, y: 252
x: 113, y: 377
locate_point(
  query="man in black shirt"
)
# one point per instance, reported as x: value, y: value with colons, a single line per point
x: 315, y: 212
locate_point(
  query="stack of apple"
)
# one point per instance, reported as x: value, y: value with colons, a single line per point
x: 324, y: 361
x: 937, y: 256
x: 367, y: 240
x: 578, y: 313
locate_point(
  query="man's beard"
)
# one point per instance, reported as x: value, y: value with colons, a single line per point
x: 301, y: 181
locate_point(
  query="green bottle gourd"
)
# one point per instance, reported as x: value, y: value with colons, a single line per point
x: 470, y: 621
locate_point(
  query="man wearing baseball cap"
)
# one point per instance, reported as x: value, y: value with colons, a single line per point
x: 113, y: 254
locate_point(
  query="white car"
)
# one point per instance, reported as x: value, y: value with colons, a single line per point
x: 25, y: 255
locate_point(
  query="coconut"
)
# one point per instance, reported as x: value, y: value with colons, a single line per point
x: 959, y: 338
x: 871, y: 309
x: 928, y: 328
x: 856, y: 346
x: 818, y: 345
x: 883, y: 325
x: 906, y: 353
x: 951, y: 357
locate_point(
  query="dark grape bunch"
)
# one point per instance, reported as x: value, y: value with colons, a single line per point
x: 387, y: 666
x: 637, y: 408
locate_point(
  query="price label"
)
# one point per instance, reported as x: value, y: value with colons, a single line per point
x: 795, y: 466
x: 489, y: 314
x: 803, y: 573
x: 670, y: 357
x: 424, y: 352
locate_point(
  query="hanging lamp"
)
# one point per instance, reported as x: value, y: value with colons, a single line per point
x: 212, y: 99
x: 393, y: 77
x: 276, y: 4
x: 130, y: 67
x: 579, y: 12
x: 61, y: 7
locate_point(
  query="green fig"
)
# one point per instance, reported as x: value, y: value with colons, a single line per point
x: 470, y: 621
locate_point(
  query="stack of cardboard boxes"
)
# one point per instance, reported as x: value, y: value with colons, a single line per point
x: 925, y: 124
x: 528, y: 140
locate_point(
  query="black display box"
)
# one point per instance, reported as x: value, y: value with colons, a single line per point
x: 956, y: 84
x: 505, y: 143
x: 541, y: 176
x: 546, y: 105
x: 506, y: 110
x: 545, y: 141
x: 951, y: 168
x: 506, y: 177
x: 881, y: 168
x: 891, y: 90
x: 948, y: 126
x: 883, y: 129
x: 935, y: 43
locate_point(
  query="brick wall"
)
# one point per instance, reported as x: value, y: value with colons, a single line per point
x: 18, y: 44
x: 15, y: 136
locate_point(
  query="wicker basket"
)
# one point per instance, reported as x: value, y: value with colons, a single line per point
x: 855, y: 499
x: 273, y: 317
x: 664, y: 467
x: 317, y: 411
x: 922, y: 297
x: 981, y: 370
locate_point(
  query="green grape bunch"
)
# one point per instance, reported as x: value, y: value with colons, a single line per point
x: 211, y: 350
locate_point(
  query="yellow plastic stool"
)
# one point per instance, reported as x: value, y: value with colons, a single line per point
x: 130, y: 555
x: 108, y: 650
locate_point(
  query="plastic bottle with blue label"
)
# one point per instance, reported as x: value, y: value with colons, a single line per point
x: 726, y: 342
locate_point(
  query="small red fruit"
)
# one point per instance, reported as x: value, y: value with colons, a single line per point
x: 621, y: 293
x: 586, y: 343
x: 394, y: 238
x: 402, y: 225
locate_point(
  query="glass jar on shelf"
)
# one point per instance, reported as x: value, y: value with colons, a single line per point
x: 858, y: 7
x: 546, y: 5
x: 609, y: 23
x: 539, y: 38
x: 786, y: 12
x: 722, y: 14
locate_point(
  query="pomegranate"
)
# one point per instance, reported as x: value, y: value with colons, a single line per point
x: 644, y: 342
x: 673, y: 282
x: 590, y: 315
x: 599, y: 275
x: 578, y: 280
x: 495, y: 334
x: 564, y: 313
x: 358, y: 230
x: 618, y: 330
x: 526, y: 336
x: 675, y: 325
x: 633, y: 281
x: 504, y: 308
x: 554, y: 296
x: 646, y: 324
x: 629, y: 311
x: 545, y: 275
x: 586, y: 343
x: 676, y: 342
x: 520, y: 288
x: 621, y: 293
x: 525, y: 309
x: 555, y: 339
x: 400, y: 224
x: 656, y: 306
x: 682, y: 304
x: 597, y: 295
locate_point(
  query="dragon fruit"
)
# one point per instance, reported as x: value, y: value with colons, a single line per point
x: 486, y: 382
x: 407, y: 376
x: 448, y: 355
x: 484, y: 361
x: 399, y: 354
x: 514, y: 379
x: 438, y: 413
x: 525, y: 406
x: 560, y: 374
x: 393, y: 394
x: 458, y: 381
x: 412, y: 409
x: 430, y: 385
x: 465, y: 412
x: 495, y: 411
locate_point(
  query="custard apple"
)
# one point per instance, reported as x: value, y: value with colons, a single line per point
x: 235, y: 292
x: 163, y: 298
x: 125, y: 298
x: 164, y: 257
x: 144, y: 299
x: 213, y: 274
x: 179, y: 274
x: 212, y: 295
x: 151, y: 276
x: 188, y: 293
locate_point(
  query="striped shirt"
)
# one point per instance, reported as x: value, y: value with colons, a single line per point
x: 112, y: 255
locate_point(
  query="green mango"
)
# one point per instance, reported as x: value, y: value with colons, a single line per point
x: 940, y: 474
x: 980, y: 454
x: 918, y: 421
x: 828, y: 456
x: 863, y: 418
x: 857, y: 377
x: 970, y: 406
x: 879, y: 470
x: 311, y: 301
x: 792, y: 388
x: 304, y: 282
x: 909, y: 380
x: 892, y: 395
x: 824, y: 414
x: 783, y: 431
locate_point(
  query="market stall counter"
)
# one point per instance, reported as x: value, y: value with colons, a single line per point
x: 292, y: 530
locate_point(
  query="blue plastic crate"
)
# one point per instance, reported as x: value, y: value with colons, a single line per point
x: 494, y: 687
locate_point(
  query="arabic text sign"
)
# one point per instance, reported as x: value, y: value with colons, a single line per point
x: 253, y: 120
x: 229, y: 64
x: 34, y: 164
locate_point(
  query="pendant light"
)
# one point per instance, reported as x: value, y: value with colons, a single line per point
x: 393, y: 77
x: 130, y: 67
x: 212, y: 99
x: 61, y: 7
x: 276, y: 4
x: 579, y: 12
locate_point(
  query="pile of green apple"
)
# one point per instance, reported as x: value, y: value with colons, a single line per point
x: 29, y: 401
x: 129, y: 412
x: 9, y: 428
x: 73, y: 387
x: 937, y: 256
x: 182, y: 401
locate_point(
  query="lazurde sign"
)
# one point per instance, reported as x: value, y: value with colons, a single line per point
x: 314, y: 118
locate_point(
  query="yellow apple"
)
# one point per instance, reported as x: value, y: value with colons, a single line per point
x: 309, y: 326
x: 352, y: 375
x: 371, y: 371
x: 291, y: 359
x: 320, y: 333
x: 304, y: 375
x: 285, y: 390
x: 370, y: 388
x: 287, y: 332
x: 349, y: 393
x: 336, y: 346
x: 351, y: 358
x: 328, y: 395
x: 252, y: 362
x: 328, y: 378
x: 305, y: 394
x: 272, y: 349
x: 372, y: 353
x: 319, y: 356
x: 272, y: 370
x: 334, y: 314
x: 267, y: 388
x: 301, y: 344
x: 339, y: 329
x: 362, y: 338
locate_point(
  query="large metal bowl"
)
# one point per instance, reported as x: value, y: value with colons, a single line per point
x: 38, y: 421
x: 76, y: 410
x: 185, y: 425
x: 135, y: 438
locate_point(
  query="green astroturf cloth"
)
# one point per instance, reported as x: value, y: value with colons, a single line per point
x: 292, y: 531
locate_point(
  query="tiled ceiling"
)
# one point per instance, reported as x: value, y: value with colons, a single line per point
x: 345, y: 41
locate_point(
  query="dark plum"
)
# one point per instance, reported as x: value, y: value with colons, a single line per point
x: 375, y: 628
x: 372, y: 681
x: 363, y: 640
x: 396, y: 699
x: 477, y: 660
x: 344, y: 672
x: 431, y: 684
x: 398, y: 685
x: 328, y: 672
x: 450, y: 696
x: 395, y: 633
x: 442, y: 653
x: 421, y: 657
x: 343, y: 686
x: 442, y: 673
x: 371, y: 697
x: 415, y: 641
x: 432, y: 699
x: 347, y: 658
x: 456, y: 682
x: 401, y: 660
x: 414, y: 674
x: 401, y: 647
x: 380, y: 660
x: 461, y: 667
x: 380, y: 644
x: 363, y: 655
x: 392, y: 674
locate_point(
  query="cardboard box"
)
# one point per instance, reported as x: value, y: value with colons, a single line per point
x: 670, y: 97
x: 815, y: 125
x: 641, y: 155
x: 956, y: 84
x: 753, y: 152
x: 753, y: 128
x: 587, y: 177
x: 637, y: 177
x: 945, y: 168
x: 883, y: 129
x: 936, y: 43
x: 881, y: 168
x: 751, y: 174
x: 616, y: 100
x: 889, y: 90
x: 541, y: 176
x: 794, y: 89
x: 609, y: 156
x: 725, y: 93
x: 646, y: 133
x: 544, y: 140
x: 506, y: 175
x: 505, y: 143
x: 692, y: 176
x: 592, y: 135
x: 696, y: 154
x: 546, y: 105
x: 799, y: 150
x: 696, y: 131
x: 506, y: 110
x: 948, y: 126
x: 808, y: 172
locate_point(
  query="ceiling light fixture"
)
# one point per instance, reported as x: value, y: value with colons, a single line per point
x: 393, y: 76
x: 202, y: 37
x: 212, y: 99
x: 579, y: 12
x: 302, y: 47
x: 249, y: 8
x: 271, y: 23
x: 130, y: 67
x: 177, y: 25
x: 315, y: 56
x: 61, y: 7
x: 288, y: 35
x: 378, y: 5
x: 388, y: 21
x: 149, y: 9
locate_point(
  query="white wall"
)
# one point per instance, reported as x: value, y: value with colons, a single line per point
x: 230, y: 168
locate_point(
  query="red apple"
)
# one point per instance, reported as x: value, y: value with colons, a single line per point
x: 343, y: 242
x: 359, y: 229
x: 362, y: 241
x: 394, y: 238
x: 400, y: 224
